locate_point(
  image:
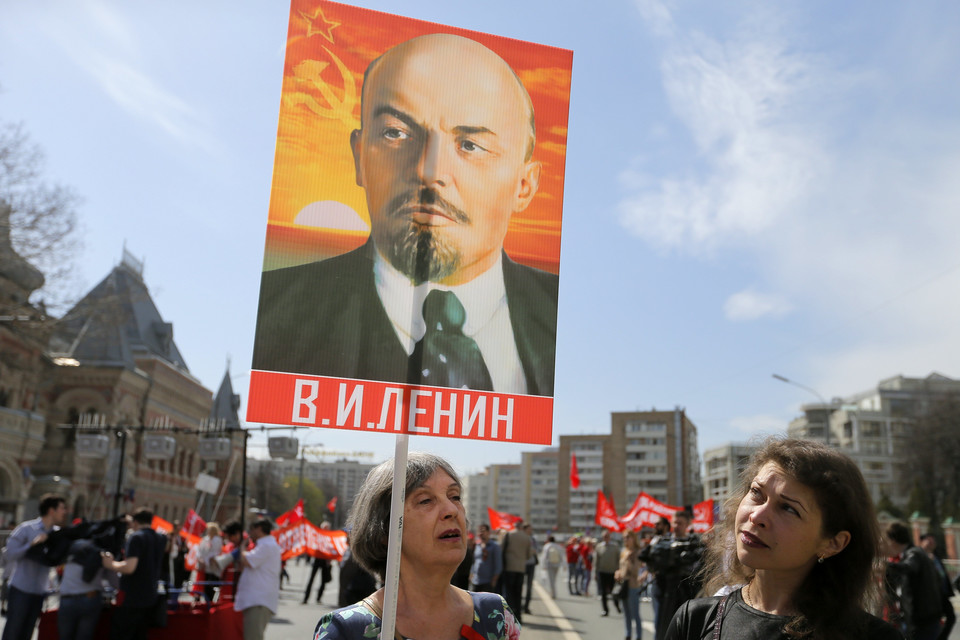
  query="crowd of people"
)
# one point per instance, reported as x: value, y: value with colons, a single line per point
x: 140, y: 574
x: 797, y: 553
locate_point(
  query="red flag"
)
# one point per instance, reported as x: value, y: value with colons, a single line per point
x: 161, y: 525
x: 574, y: 474
x: 703, y: 513
x: 606, y: 515
x: 194, y: 524
x: 502, y: 520
x: 293, y: 516
x: 332, y: 505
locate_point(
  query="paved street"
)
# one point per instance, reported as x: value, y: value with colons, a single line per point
x: 566, y: 618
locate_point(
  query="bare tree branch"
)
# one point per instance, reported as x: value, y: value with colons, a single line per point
x: 43, y: 222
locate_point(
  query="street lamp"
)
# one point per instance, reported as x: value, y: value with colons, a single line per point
x: 826, y: 432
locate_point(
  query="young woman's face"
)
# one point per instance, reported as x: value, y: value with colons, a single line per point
x: 779, y: 526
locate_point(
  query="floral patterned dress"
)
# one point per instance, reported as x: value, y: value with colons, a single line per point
x: 492, y: 620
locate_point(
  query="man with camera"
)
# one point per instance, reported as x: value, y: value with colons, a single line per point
x: 675, y: 560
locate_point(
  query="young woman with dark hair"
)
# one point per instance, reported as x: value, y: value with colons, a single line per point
x: 796, y: 551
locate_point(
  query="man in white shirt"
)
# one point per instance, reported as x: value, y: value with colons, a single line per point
x: 445, y: 164
x: 258, y: 590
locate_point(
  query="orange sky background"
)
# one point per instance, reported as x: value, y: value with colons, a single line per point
x: 329, y: 46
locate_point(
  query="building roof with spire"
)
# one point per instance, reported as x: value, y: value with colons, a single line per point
x: 117, y: 322
x: 226, y: 404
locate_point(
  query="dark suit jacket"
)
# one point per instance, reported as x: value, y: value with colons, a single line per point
x: 325, y: 318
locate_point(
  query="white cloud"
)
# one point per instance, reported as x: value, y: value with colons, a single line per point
x: 330, y: 214
x: 736, y: 100
x: 99, y: 40
x: 751, y: 305
x: 827, y: 163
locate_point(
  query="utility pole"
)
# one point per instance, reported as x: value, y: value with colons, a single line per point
x: 122, y: 434
x: 826, y: 427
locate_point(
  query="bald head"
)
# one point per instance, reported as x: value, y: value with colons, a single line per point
x: 448, y: 58
x: 444, y: 153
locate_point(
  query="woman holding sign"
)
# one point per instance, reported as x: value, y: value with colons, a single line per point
x: 800, y: 540
x: 434, y: 544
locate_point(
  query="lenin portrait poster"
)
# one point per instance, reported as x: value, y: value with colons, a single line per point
x: 410, y: 273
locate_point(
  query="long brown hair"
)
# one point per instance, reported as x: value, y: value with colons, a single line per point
x: 831, y: 598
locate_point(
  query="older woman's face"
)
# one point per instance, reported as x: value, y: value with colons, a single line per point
x: 434, y: 523
x: 779, y: 526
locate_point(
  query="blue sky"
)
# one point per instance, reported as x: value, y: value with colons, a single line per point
x: 751, y: 188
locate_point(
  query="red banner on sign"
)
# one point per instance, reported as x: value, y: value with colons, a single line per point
x: 307, y: 538
x: 381, y: 407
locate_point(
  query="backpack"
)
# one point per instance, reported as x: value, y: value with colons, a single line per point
x: 553, y: 555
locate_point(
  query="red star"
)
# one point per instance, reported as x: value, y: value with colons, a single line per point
x: 317, y: 24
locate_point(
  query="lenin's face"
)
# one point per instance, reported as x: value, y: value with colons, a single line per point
x: 442, y: 155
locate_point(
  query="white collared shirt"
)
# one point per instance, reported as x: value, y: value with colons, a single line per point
x: 488, y: 318
x: 259, y: 583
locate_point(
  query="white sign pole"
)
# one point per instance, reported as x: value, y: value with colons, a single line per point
x: 391, y: 582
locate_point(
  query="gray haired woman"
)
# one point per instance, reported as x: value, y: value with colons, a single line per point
x: 434, y: 544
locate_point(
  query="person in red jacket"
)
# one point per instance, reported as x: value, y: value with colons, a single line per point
x: 573, y: 558
x: 586, y: 565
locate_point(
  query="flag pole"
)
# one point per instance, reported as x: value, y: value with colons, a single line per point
x: 391, y: 581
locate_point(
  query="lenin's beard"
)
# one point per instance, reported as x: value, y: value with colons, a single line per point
x: 416, y: 250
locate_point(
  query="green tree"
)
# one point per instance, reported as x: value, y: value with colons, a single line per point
x: 314, y: 498
x: 886, y: 504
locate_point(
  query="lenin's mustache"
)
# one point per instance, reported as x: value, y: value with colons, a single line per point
x: 422, y: 252
x: 426, y: 196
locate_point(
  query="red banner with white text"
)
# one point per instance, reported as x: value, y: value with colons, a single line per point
x: 646, y: 510
x: 192, y: 542
x: 382, y: 407
x: 160, y: 525
x: 305, y: 537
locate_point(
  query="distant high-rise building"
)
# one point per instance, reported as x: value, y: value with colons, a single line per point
x: 873, y: 427
x: 650, y: 451
x: 341, y: 478
x: 541, y: 480
x: 722, y: 467
x: 476, y: 498
x: 507, y: 488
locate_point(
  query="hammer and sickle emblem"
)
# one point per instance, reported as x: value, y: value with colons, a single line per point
x: 310, y: 71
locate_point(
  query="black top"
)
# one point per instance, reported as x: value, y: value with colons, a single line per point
x: 140, y: 587
x: 695, y: 621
